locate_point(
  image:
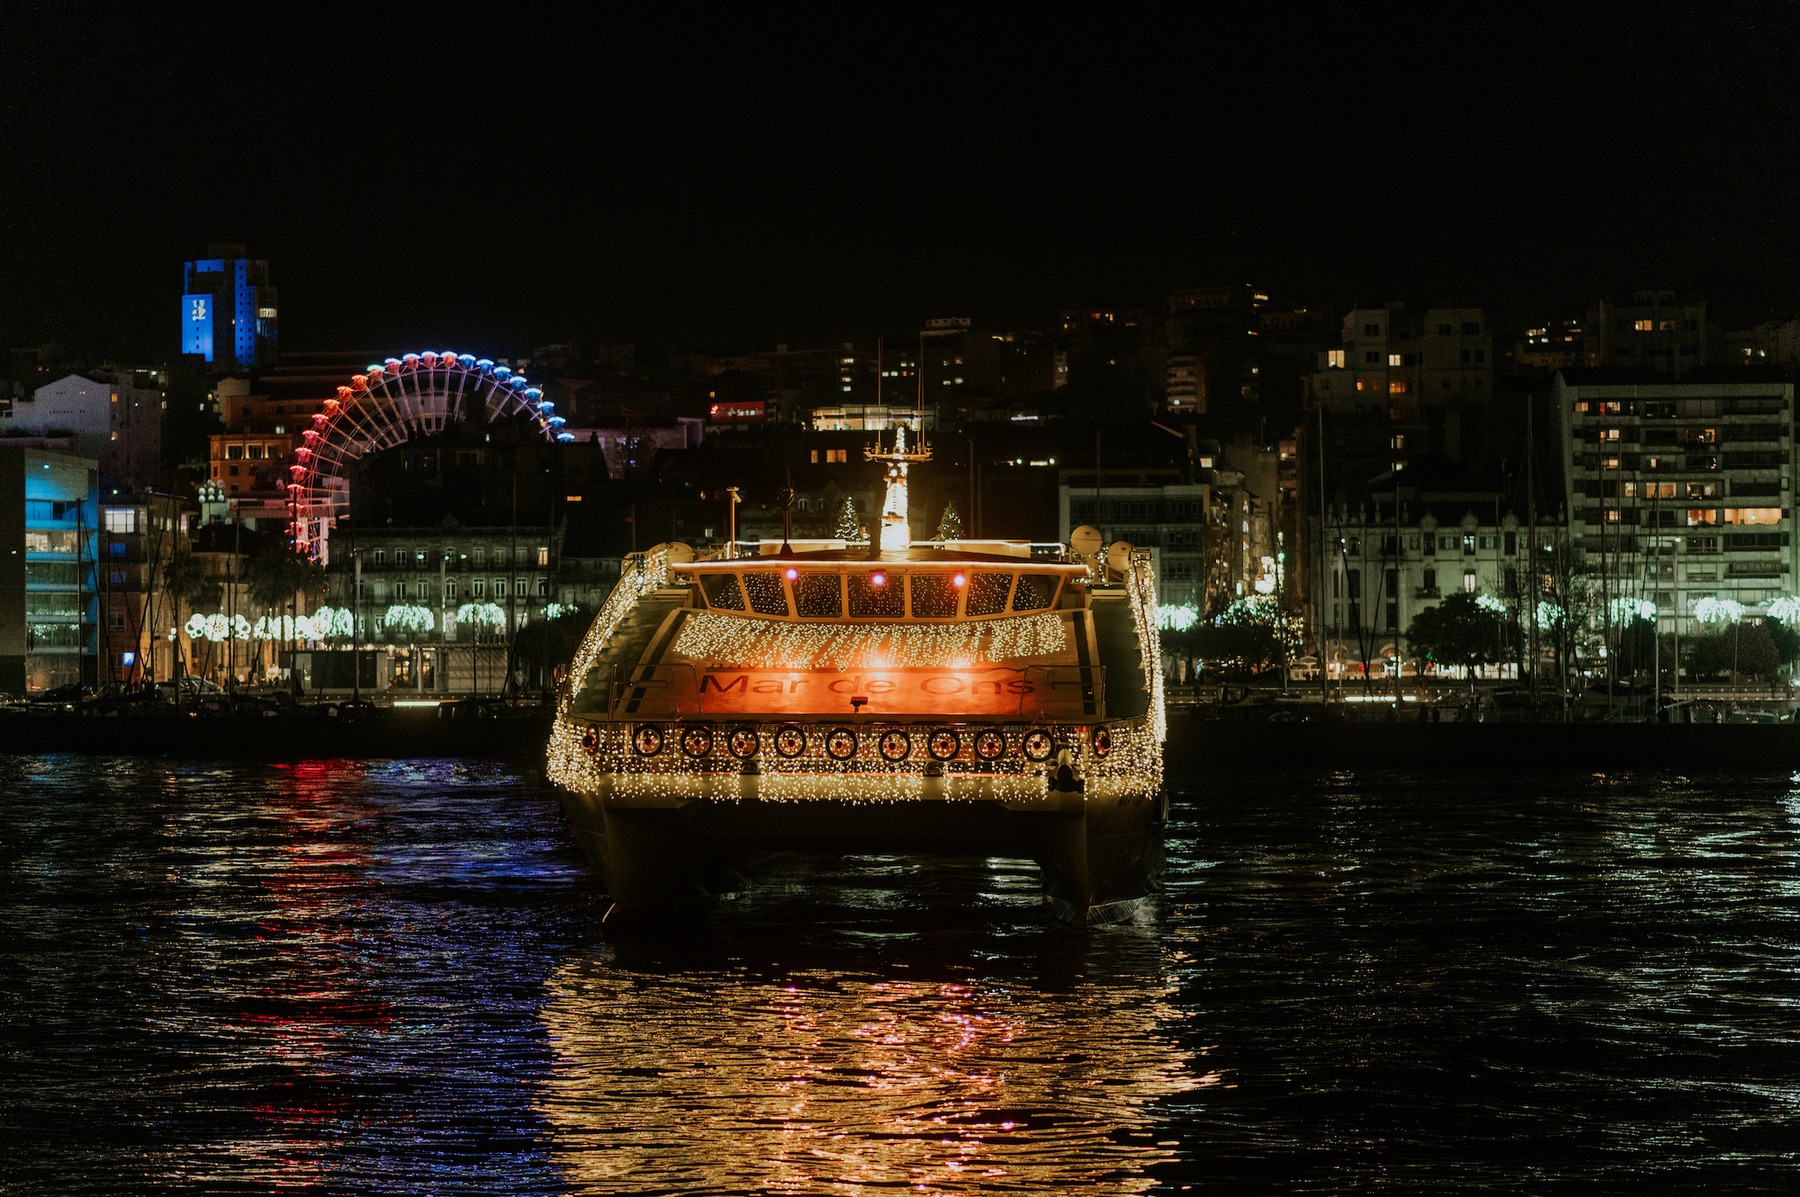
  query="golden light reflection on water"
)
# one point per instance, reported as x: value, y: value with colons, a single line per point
x: 817, y: 1082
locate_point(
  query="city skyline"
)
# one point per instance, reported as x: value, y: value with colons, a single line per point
x: 710, y: 180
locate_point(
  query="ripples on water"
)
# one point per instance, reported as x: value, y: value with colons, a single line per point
x: 387, y: 977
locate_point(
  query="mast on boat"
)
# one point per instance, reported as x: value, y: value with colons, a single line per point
x: 896, y: 532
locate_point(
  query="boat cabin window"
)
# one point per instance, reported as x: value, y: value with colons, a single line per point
x: 1034, y: 592
x: 869, y: 601
x: 767, y: 597
x: 818, y: 596
x: 987, y: 593
x: 722, y: 593
x: 934, y: 596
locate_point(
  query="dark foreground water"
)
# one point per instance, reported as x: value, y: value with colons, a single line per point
x: 386, y: 977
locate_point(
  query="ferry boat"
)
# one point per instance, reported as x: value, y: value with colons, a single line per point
x: 981, y: 698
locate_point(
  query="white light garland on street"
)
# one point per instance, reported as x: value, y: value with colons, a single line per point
x: 1786, y: 609
x: 1177, y: 617
x: 482, y: 615
x: 411, y: 619
x: 1718, y: 610
x: 734, y: 640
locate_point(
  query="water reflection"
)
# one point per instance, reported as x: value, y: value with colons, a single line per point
x: 848, y: 1041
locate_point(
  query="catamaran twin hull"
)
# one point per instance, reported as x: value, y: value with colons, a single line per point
x: 920, y: 701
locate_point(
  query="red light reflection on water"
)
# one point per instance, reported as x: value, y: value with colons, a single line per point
x: 316, y: 997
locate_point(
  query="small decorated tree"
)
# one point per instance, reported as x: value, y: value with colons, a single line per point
x: 849, y: 526
x: 950, y: 525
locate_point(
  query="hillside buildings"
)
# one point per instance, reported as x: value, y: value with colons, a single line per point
x: 112, y: 416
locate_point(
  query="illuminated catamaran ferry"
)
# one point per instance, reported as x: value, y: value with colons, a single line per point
x: 962, y: 697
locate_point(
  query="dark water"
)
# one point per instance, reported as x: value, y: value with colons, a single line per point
x: 386, y: 977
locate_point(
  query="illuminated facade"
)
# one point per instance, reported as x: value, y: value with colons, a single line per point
x: 229, y: 317
x: 1384, y: 565
x: 1682, y: 490
x: 48, y: 603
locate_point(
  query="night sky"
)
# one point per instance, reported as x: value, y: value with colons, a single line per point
x: 728, y: 178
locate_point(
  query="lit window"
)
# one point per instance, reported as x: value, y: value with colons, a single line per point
x: 1468, y: 581
x: 543, y: 556
x: 1643, y: 325
x: 1393, y: 359
x: 1334, y: 359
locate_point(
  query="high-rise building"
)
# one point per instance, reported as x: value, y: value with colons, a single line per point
x: 1681, y: 491
x: 228, y: 310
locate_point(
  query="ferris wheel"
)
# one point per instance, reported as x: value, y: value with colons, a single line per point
x: 388, y: 405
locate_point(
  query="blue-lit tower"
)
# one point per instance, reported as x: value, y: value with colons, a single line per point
x: 228, y: 310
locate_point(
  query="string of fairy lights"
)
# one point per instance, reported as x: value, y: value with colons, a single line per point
x: 643, y: 573
x: 728, y: 640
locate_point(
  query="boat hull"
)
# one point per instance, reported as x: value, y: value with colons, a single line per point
x: 666, y: 850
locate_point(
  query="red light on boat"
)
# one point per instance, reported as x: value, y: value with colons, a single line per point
x: 878, y: 579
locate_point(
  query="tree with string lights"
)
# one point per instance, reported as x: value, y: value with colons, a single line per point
x: 849, y: 527
x: 950, y: 525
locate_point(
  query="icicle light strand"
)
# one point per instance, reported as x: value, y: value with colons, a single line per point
x: 734, y: 641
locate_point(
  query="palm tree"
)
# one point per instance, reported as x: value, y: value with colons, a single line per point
x: 277, y: 577
x: 185, y: 581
